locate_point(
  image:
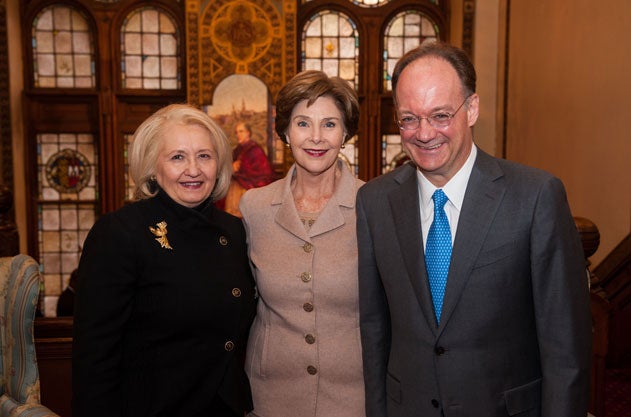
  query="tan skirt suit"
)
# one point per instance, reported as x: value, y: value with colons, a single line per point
x: 304, y: 351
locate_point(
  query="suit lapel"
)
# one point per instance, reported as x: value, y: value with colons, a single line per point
x: 287, y: 216
x: 331, y: 216
x: 404, y: 203
x: 482, y: 198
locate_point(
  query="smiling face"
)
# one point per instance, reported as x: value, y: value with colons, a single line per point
x: 428, y: 86
x: 186, y: 168
x: 316, y: 134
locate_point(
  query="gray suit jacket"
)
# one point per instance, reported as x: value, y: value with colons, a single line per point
x: 515, y: 332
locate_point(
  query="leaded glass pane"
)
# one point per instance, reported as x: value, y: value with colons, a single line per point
x: 406, y: 31
x: 63, y: 228
x: 392, y: 154
x: 150, y: 46
x: 330, y: 38
x: 63, y: 50
x: 349, y: 154
x: 67, y: 202
x: 67, y: 167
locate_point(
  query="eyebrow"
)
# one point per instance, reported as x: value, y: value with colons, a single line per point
x: 302, y: 116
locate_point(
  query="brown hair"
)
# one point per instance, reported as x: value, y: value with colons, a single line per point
x: 311, y: 85
x: 456, y: 57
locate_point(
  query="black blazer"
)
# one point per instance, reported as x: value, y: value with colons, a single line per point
x: 162, y: 331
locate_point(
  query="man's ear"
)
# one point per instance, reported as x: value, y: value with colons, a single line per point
x: 473, y: 109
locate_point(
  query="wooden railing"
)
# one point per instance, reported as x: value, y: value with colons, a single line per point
x: 590, y: 238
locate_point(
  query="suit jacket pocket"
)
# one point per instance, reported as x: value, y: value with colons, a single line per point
x: 393, y: 388
x: 494, y: 255
x: 523, y: 398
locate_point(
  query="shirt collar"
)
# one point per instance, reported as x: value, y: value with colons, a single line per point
x: 455, y: 187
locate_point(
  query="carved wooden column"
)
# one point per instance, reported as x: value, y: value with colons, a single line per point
x: 590, y: 236
x: 9, y: 238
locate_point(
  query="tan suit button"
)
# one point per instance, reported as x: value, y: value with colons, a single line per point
x: 310, y: 339
x: 312, y: 370
x: 305, y: 277
x: 307, y: 247
x: 228, y: 346
x: 223, y: 241
x: 308, y: 307
x: 236, y: 292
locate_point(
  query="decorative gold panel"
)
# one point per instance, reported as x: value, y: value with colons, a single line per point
x: 226, y: 37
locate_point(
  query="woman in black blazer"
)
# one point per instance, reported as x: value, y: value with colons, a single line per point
x: 165, y: 295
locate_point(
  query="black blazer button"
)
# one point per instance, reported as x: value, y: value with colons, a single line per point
x: 435, y: 403
x: 439, y: 350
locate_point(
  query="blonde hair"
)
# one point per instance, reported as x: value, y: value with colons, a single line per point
x: 145, y: 146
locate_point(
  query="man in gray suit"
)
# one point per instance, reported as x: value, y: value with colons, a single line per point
x: 509, y: 333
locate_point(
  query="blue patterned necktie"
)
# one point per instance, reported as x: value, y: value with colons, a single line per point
x: 438, y: 252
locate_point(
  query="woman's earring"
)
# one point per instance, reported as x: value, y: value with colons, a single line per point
x: 343, y: 146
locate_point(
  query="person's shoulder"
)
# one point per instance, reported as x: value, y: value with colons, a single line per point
x: 125, y: 214
x: 389, y: 180
x: 516, y: 171
x: 262, y: 194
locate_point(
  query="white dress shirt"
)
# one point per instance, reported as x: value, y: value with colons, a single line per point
x: 454, y: 190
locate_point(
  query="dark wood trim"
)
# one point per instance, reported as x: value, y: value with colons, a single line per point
x: 53, y: 345
x: 6, y: 147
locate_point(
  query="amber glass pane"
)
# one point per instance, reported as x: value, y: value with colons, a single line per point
x: 63, y: 50
x: 150, y: 51
x: 67, y: 197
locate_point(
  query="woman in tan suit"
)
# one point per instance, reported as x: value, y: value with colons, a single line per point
x: 304, y: 351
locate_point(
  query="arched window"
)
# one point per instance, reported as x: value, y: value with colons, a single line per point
x: 330, y: 43
x: 150, y: 49
x: 63, y: 52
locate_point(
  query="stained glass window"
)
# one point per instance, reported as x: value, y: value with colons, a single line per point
x: 63, y: 50
x: 150, y: 50
x: 67, y: 197
x: 330, y: 43
x: 406, y: 31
